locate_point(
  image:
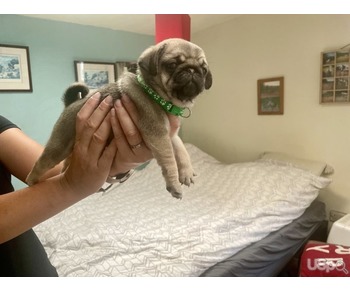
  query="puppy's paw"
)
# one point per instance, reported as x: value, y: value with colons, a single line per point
x: 176, y: 192
x: 186, y: 176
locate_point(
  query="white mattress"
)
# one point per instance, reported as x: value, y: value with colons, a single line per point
x: 139, y: 229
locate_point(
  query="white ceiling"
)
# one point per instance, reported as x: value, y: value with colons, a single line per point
x: 137, y: 23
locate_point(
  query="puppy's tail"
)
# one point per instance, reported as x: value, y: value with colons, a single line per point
x: 74, y: 92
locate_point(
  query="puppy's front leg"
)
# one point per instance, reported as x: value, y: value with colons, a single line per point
x: 162, y: 150
x: 183, y: 161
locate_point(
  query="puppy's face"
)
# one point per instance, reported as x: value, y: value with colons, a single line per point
x: 176, y: 67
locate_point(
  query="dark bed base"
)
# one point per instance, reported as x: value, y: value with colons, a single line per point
x: 277, y: 254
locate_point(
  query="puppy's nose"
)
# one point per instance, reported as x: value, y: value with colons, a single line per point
x: 190, y: 70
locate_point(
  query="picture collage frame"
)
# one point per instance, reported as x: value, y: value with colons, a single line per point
x: 335, y: 78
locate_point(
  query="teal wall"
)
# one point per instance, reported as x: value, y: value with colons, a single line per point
x: 53, y: 47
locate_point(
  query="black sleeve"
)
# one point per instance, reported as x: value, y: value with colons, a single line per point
x: 5, y: 124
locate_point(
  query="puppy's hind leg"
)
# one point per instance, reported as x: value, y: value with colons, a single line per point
x: 58, y: 148
x: 51, y: 156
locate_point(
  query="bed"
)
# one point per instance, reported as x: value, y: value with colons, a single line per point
x: 239, y: 219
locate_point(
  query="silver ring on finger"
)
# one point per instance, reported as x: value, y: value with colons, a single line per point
x: 133, y: 147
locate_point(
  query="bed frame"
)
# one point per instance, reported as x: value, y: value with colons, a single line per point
x: 280, y: 250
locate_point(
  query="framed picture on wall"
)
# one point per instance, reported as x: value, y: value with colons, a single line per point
x: 335, y: 78
x: 15, y: 68
x: 270, y: 96
x: 94, y: 74
x: 122, y: 66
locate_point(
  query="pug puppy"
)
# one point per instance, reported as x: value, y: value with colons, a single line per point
x: 170, y: 75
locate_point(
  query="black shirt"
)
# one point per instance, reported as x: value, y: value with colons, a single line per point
x: 5, y: 175
x: 24, y: 255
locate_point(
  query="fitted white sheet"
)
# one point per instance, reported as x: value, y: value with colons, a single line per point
x: 139, y: 229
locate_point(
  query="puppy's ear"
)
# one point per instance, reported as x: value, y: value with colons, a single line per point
x: 150, y: 58
x: 208, y: 80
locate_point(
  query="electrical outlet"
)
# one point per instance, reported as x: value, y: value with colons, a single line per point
x: 335, y: 215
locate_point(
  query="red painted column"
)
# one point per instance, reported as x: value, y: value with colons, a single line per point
x: 172, y: 26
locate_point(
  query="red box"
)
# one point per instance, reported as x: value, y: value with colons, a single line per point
x: 321, y: 259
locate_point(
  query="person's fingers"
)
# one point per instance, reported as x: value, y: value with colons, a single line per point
x: 130, y: 108
x: 132, y: 135
x: 126, y: 132
x: 94, y: 121
x: 100, y: 138
x: 118, y: 133
x: 108, y: 153
x: 86, y: 111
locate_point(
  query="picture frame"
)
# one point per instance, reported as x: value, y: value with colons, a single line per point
x: 271, y: 96
x: 15, y: 74
x: 122, y: 66
x: 95, y: 74
x: 335, y: 77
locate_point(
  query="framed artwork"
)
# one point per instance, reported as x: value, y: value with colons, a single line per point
x: 125, y: 66
x: 270, y: 96
x: 15, y: 69
x: 334, y: 87
x: 94, y: 74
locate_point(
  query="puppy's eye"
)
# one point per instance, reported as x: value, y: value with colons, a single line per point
x: 171, y: 66
x: 205, y: 70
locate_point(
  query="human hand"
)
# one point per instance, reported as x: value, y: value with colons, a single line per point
x: 92, y: 155
x: 131, y: 152
x: 93, y: 158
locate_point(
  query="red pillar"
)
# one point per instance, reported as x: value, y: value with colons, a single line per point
x: 173, y: 26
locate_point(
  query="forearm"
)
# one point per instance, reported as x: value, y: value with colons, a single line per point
x: 25, y: 208
x: 19, y: 153
x: 90, y: 164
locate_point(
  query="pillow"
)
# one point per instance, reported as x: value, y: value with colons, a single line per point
x: 316, y: 167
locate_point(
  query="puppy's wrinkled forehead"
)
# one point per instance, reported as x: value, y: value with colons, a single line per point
x: 169, y: 53
x: 183, y: 51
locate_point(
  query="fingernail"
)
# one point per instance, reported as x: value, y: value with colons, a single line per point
x: 96, y: 95
x: 118, y: 103
x: 109, y: 100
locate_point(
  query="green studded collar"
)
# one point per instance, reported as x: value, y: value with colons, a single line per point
x: 168, y: 106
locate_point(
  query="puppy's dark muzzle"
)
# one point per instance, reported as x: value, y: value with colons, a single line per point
x: 188, y: 84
